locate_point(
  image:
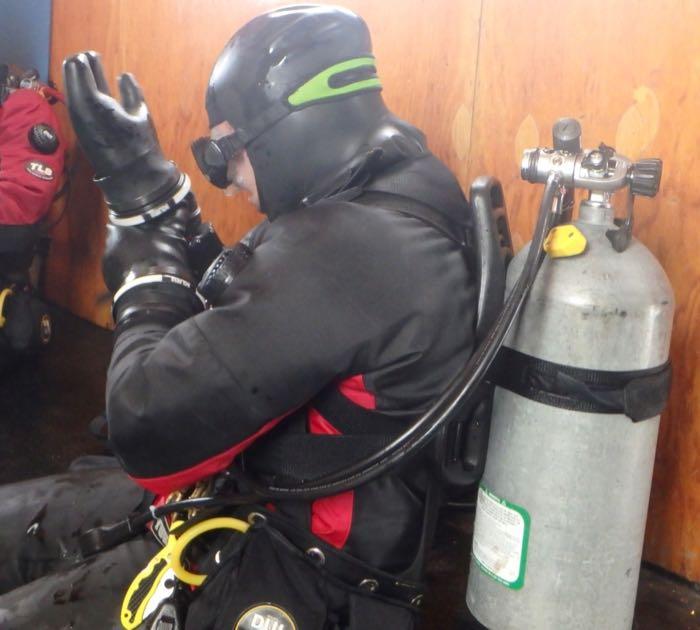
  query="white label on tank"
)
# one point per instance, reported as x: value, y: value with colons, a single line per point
x: 501, y: 532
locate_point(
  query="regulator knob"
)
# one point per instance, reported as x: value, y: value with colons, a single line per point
x: 645, y: 177
x: 566, y: 134
x: 43, y: 138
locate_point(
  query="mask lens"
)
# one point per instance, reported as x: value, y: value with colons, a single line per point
x: 211, y: 161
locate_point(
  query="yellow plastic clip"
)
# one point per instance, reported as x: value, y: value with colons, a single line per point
x: 156, y: 581
x: 564, y: 241
x: 4, y: 294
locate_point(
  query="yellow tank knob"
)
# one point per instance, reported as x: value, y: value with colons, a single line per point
x: 564, y: 241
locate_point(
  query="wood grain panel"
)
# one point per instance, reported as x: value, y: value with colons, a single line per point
x: 636, y: 83
x: 427, y: 67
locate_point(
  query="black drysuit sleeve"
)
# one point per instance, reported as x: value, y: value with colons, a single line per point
x: 310, y: 305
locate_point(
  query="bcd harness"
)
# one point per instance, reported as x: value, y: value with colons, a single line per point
x: 458, y: 456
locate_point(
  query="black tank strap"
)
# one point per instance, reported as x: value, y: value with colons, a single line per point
x: 639, y: 394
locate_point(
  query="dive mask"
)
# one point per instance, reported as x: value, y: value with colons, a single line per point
x: 213, y: 157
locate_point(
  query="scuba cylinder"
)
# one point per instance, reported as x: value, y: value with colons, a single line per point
x: 581, y: 381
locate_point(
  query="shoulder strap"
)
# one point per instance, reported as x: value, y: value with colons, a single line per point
x: 299, y: 457
x: 418, y: 210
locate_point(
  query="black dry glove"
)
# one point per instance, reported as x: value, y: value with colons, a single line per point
x: 147, y: 268
x: 121, y: 143
x: 159, y: 246
x: 177, y: 245
x: 152, y: 213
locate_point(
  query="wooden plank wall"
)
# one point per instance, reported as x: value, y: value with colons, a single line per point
x: 484, y: 79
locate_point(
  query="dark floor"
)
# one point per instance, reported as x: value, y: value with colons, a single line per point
x: 45, y: 406
x: 44, y: 414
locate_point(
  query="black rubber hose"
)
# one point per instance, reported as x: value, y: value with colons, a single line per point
x: 457, y: 395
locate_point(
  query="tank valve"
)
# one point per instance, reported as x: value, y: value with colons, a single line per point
x: 601, y: 171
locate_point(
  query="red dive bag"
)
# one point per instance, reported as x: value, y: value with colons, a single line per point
x: 31, y: 161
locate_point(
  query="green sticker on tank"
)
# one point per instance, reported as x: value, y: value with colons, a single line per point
x: 501, y: 534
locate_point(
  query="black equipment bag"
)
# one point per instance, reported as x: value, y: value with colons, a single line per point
x: 278, y: 577
x: 26, y: 325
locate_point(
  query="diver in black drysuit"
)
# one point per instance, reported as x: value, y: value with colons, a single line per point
x: 344, y: 313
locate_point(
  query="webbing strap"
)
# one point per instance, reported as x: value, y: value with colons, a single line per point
x: 304, y: 456
x: 350, y: 418
x: 639, y: 394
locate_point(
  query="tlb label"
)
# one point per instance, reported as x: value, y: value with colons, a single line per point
x: 501, y: 532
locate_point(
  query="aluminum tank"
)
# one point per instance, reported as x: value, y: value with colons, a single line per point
x: 563, y: 501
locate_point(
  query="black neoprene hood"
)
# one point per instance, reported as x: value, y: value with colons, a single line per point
x: 300, y: 85
x: 275, y: 53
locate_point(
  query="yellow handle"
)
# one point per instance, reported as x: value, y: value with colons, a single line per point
x: 143, y: 588
x: 221, y: 522
x: 169, y: 558
x: 4, y: 294
x: 146, y: 583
